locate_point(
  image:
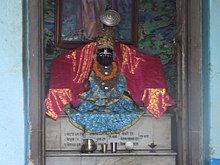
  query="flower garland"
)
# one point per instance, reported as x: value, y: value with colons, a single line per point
x: 104, y: 77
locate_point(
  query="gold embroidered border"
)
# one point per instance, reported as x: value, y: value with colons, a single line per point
x: 85, y: 61
x: 156, y: 98
x: 56, y: 99
x: 129, y: 59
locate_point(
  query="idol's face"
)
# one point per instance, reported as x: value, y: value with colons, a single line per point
x: 105, y: 56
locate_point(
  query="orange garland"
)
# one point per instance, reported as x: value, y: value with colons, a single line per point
x: 103, y: 77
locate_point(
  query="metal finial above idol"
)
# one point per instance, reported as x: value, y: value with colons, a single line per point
x: 110, y: 18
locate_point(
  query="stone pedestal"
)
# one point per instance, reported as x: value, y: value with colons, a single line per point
x: 63, y: 143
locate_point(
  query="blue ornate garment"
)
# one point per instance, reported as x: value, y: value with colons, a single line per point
x: 105, y: 110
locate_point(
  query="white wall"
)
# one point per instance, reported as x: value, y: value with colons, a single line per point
x: 214, y: 78
x: 12, y: 134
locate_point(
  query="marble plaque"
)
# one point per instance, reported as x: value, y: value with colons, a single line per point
x: 62, y: 135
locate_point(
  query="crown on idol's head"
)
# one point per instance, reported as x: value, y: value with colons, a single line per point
x: 106, y: 37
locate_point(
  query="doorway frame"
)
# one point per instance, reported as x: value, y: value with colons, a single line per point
x: 35, y: 66
x: 189, y: 67
x: 189, y: 110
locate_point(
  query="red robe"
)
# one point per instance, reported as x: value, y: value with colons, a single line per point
x: 144, y: 76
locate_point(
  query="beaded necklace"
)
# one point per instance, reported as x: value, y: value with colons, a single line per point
x: 105, y: 77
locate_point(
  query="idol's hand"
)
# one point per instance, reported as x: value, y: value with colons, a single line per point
x: 126, y: 93
x: 86, y: 85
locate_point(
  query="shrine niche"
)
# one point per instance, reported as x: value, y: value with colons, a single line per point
x: 156, y: 29
x: 143, y: 128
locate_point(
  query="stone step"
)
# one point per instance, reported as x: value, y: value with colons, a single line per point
x: 119, y: 158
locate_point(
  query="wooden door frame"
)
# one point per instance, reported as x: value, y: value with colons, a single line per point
x: 35, y: 62
x: 189, y: 57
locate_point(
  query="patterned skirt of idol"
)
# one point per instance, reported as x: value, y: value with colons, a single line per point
x: 105, y: 110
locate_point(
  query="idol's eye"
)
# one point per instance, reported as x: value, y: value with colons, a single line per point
x: 105, y: 54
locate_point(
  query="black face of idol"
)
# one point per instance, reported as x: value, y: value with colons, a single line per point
x: 105, y: 56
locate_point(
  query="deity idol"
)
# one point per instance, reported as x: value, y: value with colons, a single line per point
x: 108, y: 85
